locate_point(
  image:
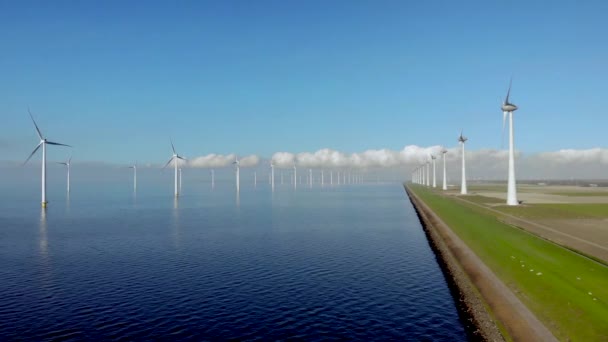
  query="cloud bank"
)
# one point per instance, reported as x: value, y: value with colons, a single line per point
x: 481, y: 164
x: 218, y: 161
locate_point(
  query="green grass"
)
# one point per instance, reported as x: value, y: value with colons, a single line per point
x: 558, y: 211
x: 483, y: 199
x: 560, y: 295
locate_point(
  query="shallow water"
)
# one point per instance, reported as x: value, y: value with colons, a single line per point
x: 334, y: 263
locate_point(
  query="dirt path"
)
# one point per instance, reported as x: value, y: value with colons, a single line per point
x: 549, y: 233
x: 518, y: 320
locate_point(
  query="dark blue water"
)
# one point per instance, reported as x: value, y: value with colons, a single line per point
x: 348, y: 263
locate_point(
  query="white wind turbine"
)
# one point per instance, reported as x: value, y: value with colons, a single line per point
x: 434, y: 173
x: 43, y: 142
x: 310, y: 177
x: 238, y: 173
x: 423, y: 170
x: 68, y: 164
x: 134, y: 167
x: 463, y: 186
x: 508, y: 109
x: 175, y: 159
x: 180, y: 179
x: 212, y: 178
x: 428, y: 173
x: 295, y: 176
x: 272, y: 175
x: 445, y: 182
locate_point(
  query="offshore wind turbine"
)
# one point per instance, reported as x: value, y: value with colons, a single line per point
x: 180, y: 179
x: 310, y: 177
x: 463, y: 186
x: 174, y: 158
x: 238, y: 173
x: 134, y: 167
x: 507, y: 110
x: 295, y: 176
x: 445, y: 182
x: 272, y: 175
x: 43, y: 142
x: 68, y: 163
x: 212, y: 178
x: 322, y: 179
x: 434, y: 173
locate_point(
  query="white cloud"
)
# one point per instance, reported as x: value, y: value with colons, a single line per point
x: 212, y: 161
x: 218, y: 161
x: 484, y: 163
x: 249, y: 161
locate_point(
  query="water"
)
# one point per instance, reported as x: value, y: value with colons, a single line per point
x: 348, y: 263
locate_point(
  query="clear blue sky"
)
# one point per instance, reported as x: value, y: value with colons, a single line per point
x: 117, y: 78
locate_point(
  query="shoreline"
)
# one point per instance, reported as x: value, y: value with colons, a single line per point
x: 483, y: 301
x: 478, y: 322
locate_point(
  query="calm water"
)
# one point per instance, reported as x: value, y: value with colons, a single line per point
x: 343, y: 263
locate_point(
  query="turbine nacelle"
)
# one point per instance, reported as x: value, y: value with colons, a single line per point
x: 506, y: 105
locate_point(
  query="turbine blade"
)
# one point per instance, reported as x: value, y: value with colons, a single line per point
x: 70, y: 160
x: 31, y: 154
x: 509, y: 91
x: 37, y: 129
x: 62, y: 163
x: 168, y: 162
x: 172, y: 147
x: 58, y: 144
x: 182, y: 158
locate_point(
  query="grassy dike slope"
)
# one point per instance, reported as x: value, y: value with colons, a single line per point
x: 566, y: 291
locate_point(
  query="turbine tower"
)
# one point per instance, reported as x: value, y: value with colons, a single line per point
x: 272, y: 175
x: 310, y: 177
x: 434, y: 173
x: 43, y: 142
x: 295, y: 176
x: 422, y: 168
x: 175, y: 158
x: 238, y: 173
x: 508, y: 109
x: 428, y: 173
x: 68, y: 163
x: 445, y: 182
x: 463, y: 186
x: 180, y: 179
x: 134, y: 167
x: 212, y: 178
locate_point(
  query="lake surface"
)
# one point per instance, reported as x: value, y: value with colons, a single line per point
x: 342, y: 263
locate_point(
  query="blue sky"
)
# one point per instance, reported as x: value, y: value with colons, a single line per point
x: 117, y: 78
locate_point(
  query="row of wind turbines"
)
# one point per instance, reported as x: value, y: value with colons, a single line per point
x: 421, y: 175
x: 175, y: 158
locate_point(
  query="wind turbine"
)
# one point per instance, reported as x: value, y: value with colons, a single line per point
x: 322, y: 179
x: 180, y: 179
x: 68, y: 163
x: 463, y: 187
x: 445, y: 182
x: 272, y: 175
x: 212, y: 178
x: 295, y: 176
x: 508, y: 109
x: 255, y: 179
x: 428, y: 173
x: 174, y: 158
x: 434, y: 173
x: 310, y: 177
x: 43, y: 142
x: 238, y: 173
x: 134, y: 167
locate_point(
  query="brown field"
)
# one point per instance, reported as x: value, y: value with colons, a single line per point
x: 575, y: 217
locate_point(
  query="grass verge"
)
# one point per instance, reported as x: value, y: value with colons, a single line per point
x: 566, y: 291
